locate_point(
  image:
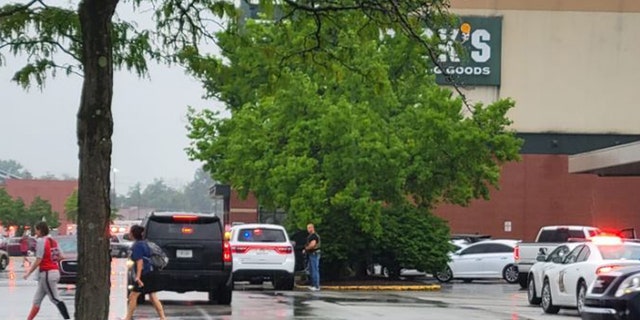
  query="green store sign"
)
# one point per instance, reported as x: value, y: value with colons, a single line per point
x: 479, y: 63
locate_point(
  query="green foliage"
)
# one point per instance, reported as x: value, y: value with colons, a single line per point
x: 71, y: 207
x: 14, y: 212
x: 412, y: 238
x: 40, y: 210
x: 335, y: 134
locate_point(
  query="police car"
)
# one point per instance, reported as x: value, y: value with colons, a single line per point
x: 262, y: 252
x: 544, y: 264
x: 566, y: 285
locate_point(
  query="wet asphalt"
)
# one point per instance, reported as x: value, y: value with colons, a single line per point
x: 481, y: 300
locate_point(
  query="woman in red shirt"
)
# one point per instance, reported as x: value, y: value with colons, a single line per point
x: 47, y: 256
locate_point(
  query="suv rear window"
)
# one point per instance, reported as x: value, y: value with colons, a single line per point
x: 261, y: 235
x: 197, y: 229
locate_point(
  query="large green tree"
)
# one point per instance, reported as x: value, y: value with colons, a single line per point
x: 343, y: 126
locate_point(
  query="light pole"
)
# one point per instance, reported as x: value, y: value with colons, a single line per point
x: 115, y: 194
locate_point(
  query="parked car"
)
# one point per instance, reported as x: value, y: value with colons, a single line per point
x: 545, y: 263
x: 69, y: 264
x: 3, y: 242
x: 263, y: 252
x: 565, y: 286
x: 199, y: 257
x: 4, y: 259
x: 120, y: 246
x: 614, y: 296
x: 13, y: 246
x: 488, y: 259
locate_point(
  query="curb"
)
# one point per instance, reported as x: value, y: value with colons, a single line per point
x: 433, y: 287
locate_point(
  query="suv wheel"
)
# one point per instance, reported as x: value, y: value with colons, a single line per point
x: 221, y: 296
x: 284, y: 282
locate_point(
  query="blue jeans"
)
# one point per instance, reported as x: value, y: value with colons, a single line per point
x: 314, y: 269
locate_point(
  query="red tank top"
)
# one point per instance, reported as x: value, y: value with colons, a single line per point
x: 47, y: 264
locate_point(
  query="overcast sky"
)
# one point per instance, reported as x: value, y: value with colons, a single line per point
x: 38, y: 129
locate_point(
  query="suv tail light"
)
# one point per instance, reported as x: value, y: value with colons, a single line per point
x: 226, y: 252
x: 516, y: 253
x: 284, y: 250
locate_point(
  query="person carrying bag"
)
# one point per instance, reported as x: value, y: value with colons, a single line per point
x: 48, y: 254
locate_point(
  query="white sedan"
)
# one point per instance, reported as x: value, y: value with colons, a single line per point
x: 544, y: 264
x: 489, y: 259
x: 566, y: 285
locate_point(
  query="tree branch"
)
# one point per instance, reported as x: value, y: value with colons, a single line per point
x: 41, y: 41
x: 17, y: 9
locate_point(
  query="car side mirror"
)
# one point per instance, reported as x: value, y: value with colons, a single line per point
x: 541, y: 258
x: 556, y: 260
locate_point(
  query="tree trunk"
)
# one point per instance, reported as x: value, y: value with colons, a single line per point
x: 95, y: 127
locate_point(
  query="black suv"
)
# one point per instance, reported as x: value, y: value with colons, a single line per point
x: 199, y: 257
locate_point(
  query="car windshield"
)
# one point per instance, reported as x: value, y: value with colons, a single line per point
x: 68, y: 245
x: 615, y: 252
x: 261, y: 235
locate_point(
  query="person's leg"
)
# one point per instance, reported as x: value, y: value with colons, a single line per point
x: 52, y: 279
x: 313, y: 272
x: 157, y: 305
x: 317, y: 268
x: 132, y: 304
x: 37, y: 298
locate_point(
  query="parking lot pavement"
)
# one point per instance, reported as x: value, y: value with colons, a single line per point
x: 479, y: 300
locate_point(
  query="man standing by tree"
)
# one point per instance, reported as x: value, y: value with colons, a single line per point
x: 312, y: 249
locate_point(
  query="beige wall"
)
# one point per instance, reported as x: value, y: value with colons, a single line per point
x: 569, y: 71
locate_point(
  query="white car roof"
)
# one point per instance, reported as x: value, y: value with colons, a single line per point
x: 257, y: 225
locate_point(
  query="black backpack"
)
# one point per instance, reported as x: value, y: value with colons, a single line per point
x: 158, y: 258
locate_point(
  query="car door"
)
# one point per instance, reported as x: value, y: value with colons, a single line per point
x: 541, y: 268
x: 554, y: 274
x: 568, y: 277
x: 495, y: 258
x: 466, y: 263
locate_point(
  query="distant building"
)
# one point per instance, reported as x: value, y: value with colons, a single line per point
x: 55, y: 192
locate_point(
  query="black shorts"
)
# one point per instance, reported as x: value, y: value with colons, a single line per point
x: 149, y: 285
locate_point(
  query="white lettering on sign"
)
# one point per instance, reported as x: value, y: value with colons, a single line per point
x: 480, y: 51
x: 464, y: 70
x: 479, y: 40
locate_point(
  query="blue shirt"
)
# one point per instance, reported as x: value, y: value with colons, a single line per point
x: 140, y: 250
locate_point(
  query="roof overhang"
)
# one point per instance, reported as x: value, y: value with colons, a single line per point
x: 621, y: 160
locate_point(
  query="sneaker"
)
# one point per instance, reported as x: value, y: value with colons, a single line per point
x: 314, y: 289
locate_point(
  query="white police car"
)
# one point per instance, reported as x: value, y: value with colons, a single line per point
x: 566, y: 285
x: 262, y: 252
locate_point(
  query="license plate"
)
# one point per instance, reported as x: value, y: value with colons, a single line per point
x: 184, y: 254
